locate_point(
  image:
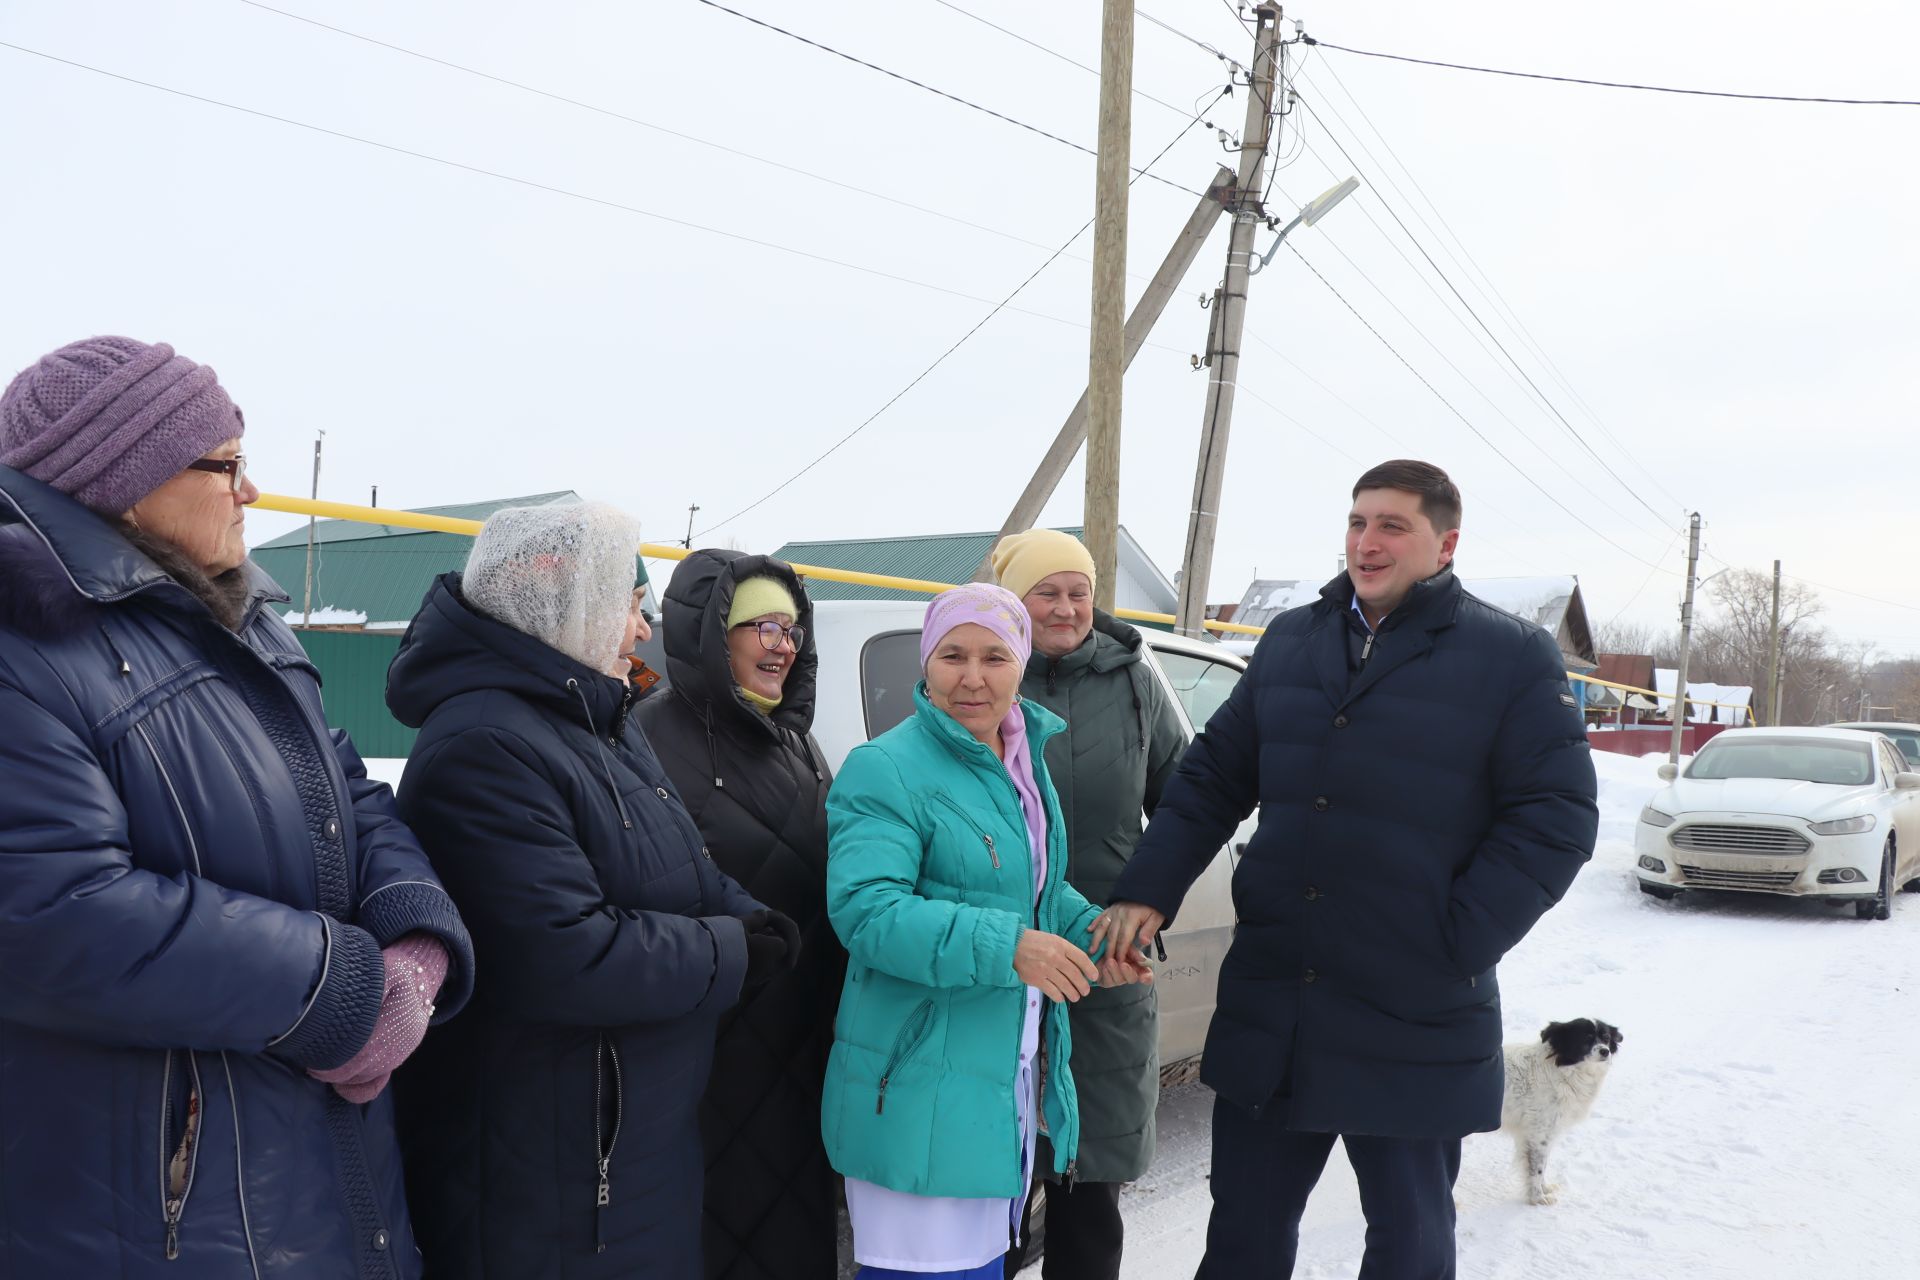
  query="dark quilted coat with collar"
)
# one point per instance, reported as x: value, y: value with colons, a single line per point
x: 1423, y: 800
x: 757, y: 786
x: 196, y: 879
x: 554, y: 1132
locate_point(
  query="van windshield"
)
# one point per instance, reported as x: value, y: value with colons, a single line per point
x: 1844, y: 764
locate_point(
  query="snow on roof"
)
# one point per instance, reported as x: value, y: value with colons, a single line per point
x: 1702, y: 691
x: 1539, y: 600
x: 326, y: 617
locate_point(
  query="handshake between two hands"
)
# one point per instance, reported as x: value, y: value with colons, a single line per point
x: 1063, y: 971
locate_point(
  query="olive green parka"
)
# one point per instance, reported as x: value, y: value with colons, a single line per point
x: 1122, y: 743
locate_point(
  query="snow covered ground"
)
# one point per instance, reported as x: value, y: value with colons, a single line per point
x: 1762, y: 1121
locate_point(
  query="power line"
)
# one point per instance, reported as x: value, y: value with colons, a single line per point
x: 1615, y: 84
x: 1549, y: 494
x: 1452, y: 288
x: 1055, y: 53
x: 648, y: 124
x: 546, y: 187
x: 941, y: 358
x: 1644, y: 582
x: 1447, y: 360
x: 1202, y: 44
x: 1491, y: 291
x: 920, y: 84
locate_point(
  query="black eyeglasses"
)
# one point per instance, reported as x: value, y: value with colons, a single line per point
x: 234, y: 468
x: 772, y: 633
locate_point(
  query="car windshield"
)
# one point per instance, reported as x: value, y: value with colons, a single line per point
x: 1844, y: 764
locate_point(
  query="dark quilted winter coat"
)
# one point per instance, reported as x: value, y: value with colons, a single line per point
x: 554, y: 1132
x: 1417, y: 816
x: 196, y: 879
x: 757, y: 786
x: 1120, y: 746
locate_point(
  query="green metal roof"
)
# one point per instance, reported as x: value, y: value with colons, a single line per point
x: 380, y: 570
x: 355, y: 531
x: 943, y: 557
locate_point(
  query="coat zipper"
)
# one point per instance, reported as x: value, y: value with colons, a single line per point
x: 954, y: 805
x: 603, y: 1154
x: 911, y: 1032
x: 1366, y: 650
x: 173, y: 1201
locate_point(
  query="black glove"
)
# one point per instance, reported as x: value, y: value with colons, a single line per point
x: 773, y: 946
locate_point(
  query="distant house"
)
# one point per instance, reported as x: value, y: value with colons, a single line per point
x: 368, y: 581
x: 953, y: 558
x: 376, y: 571
x: 1618, y: 705
x: 1555, y: 604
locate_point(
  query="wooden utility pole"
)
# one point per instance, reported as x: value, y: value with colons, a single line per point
x: 306, y: 619
x: 1686, y: 642
x: 1230, y: 306
x: 1146, y: 312
x: 1106, y: 362
x: 1773, y: 654
x: 692, y: 511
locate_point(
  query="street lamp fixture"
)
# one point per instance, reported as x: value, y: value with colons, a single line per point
x: 1310, y: 213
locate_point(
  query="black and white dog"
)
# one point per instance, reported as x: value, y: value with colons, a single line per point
x: 1551, y: 1085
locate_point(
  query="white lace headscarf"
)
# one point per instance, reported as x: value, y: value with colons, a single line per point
x: 561, y: 574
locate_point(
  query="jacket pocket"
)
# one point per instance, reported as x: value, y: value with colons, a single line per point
x: 912, y: 1032
x: 973, y: 824
x: 180, y: 1103
x: 609, y: 1102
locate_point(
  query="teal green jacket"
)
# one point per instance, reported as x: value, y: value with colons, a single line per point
x: 930, y: 885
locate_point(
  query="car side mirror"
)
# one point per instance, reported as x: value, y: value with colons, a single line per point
x: 1906, y: 782
x: 1668, y: 771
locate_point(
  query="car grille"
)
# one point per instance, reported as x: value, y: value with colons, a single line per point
x: 1715, y: 878
x: 1777, y: 841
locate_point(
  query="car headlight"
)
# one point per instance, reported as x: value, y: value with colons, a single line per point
x: 1843, y: 826
x: 1654, y: 818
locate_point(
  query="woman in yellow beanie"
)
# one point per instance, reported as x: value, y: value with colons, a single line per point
x: 1121, y: 745
x: 733, y: 730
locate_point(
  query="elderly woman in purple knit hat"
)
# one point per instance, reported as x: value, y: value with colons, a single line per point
x: 945, y: 879
x: 217, y: 937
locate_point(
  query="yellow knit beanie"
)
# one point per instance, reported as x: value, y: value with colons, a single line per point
x: 1023, y: 559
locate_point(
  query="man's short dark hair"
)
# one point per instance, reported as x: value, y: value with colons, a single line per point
x: 1439, y: 496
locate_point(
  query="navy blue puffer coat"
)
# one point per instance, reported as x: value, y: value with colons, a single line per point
x: 195, y: 883
x: 554, y: 1130
x: 1417, y: 816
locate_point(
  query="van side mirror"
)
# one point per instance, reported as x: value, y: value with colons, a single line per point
x: 1668, y: 771
x: 1906, y: 782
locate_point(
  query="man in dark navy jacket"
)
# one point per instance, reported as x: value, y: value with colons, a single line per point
x: 1425, y: 792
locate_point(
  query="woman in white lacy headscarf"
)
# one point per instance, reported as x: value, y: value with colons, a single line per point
x: 607, y: 942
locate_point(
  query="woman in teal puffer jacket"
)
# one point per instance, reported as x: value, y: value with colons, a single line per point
x: 945, y: 879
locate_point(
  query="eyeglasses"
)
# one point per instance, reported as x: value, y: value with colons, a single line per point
x: 234, y: 468
x: 772, y: 633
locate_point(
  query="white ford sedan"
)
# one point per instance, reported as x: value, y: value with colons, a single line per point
x: 1832, y: 813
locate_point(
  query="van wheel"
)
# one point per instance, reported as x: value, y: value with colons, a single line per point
x: 1880, y: 906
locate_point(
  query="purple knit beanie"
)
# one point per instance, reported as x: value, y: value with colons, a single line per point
x: 995, y: 608
x: 109, y: 420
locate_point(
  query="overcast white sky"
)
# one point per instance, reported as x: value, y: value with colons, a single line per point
x: 1728, y: 287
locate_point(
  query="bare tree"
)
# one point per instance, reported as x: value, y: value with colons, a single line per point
x: 1735, y: 640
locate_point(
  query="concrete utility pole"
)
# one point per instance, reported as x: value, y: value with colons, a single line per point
x: 1686, y: 642
x: 1773, y: 654
x: 306, y: 619
x: 1146, y: 312
x: 1106, y: 361
x: 1230, y: 306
